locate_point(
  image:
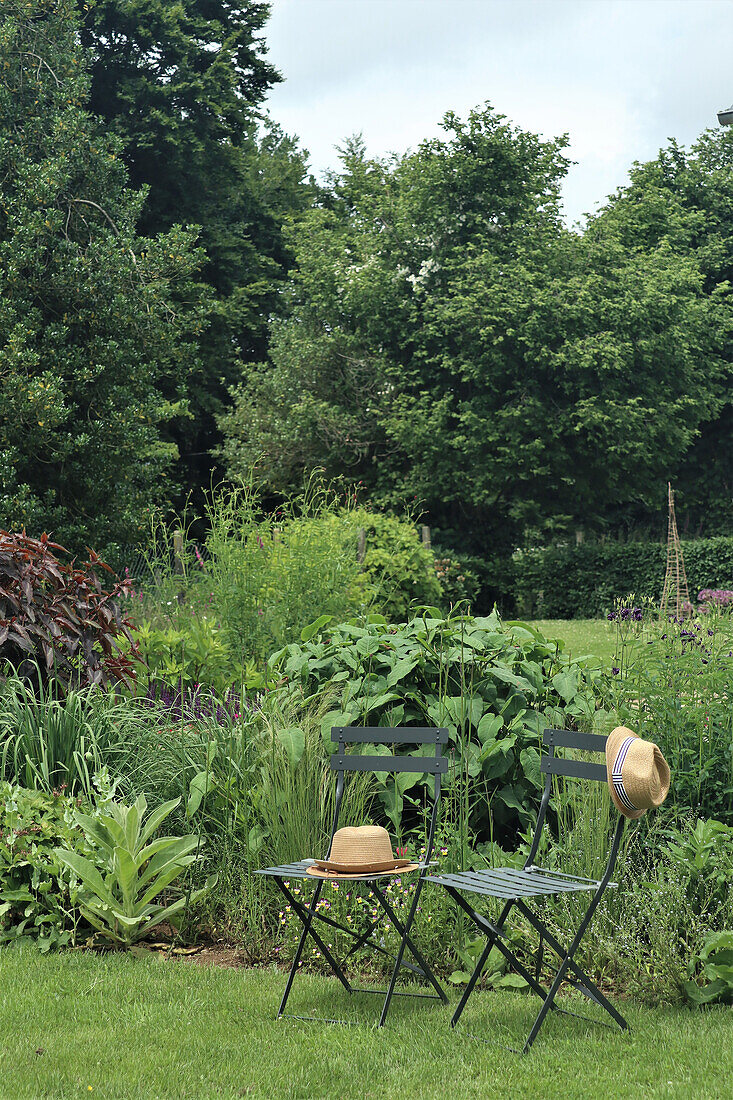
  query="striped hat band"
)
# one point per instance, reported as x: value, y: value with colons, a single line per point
x: 617, y: 774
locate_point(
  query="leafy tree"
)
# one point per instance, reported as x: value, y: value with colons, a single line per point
x: 683, y: 201
x: 182, y: 85
x: 95, y: 321
x: 450, y: 341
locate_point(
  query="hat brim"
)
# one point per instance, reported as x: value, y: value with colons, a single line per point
x: 318, y: 872
x: 613, y: 743
x: 351, y: 868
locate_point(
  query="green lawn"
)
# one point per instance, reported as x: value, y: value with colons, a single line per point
x: 583, y: 637
x: 78, y: 1025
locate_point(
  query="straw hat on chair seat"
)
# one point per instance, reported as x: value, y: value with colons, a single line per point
x: 358, y: 851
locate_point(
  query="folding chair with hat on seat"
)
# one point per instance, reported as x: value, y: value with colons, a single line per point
x: 637, y: 776
x: 363, y: 855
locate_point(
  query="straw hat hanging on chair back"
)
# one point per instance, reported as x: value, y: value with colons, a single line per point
x: 638, y: 774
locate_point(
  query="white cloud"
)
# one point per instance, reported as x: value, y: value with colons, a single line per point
x: 620, y: 76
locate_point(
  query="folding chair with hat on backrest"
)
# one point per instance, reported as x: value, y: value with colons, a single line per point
x: 363, y: 855
x: 637, y: 776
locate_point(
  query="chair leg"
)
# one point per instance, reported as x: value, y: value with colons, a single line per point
x: 491, y: 938
x: 494, y: 939
x: 472, y: 982
x: 306, y: 916
x: 299, y: 950
x: 392, y: 983
x: 547, y: 1004
x: 567, y: 962
x: 406, y: 941
x: 574, y: 966
x: 302, y: 911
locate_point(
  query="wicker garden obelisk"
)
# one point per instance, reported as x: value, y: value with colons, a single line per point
x: 675, y: 594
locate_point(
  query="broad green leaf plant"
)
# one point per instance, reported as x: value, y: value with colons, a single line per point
x: 120, y: 886
x: 494, y: 684
x: 716, y: 963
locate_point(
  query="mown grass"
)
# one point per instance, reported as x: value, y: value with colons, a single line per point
x: 116, y: 1026
x: 583, y: 637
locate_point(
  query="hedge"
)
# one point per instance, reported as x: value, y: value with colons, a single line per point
x: 581, y: 582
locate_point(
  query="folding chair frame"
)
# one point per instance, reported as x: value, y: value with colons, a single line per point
x: 551, y: 765
x: 308, y: 914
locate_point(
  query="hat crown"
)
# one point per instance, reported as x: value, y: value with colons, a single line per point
x: 361, y: 846
x: 646, y: 775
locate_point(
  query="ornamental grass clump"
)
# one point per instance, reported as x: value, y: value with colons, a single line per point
x: 49, y: 740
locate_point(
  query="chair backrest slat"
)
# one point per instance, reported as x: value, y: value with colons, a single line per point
x: 435, y: 765
x: 576, y: 769
x: 550, y: 764
x: 430, y: 764
x: 380, y: 735
x: 571, y: 739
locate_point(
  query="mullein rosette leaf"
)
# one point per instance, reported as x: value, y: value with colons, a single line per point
x: 118, y: 890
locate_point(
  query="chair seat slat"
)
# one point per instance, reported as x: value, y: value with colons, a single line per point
x: 300, y: 870
x: 508, y: 883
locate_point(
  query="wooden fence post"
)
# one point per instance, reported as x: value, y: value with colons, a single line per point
x: 425, y: 536
x: 178, y: 552
x: 361, y: 545
x: 178, y: 566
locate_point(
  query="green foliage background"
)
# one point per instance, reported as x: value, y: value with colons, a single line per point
x: 266, y: 576
x: 182, y: 85
x: 449, y: 341
x: 97, y: 324
x: 495, y: 685
x: 181, y: 300
x: 399, y: 569
x: 577, y: 582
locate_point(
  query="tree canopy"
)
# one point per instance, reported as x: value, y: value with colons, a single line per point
x: 97, y: 324
x: 182, y: 85
x: 177, y: 291
x: 449, y: 340
x: 682, y: 201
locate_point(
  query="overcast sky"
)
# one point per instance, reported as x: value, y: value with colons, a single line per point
x: 620, y: 76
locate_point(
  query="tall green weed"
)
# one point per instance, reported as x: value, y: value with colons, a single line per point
x: 211, y: 614
x: 673, y: 683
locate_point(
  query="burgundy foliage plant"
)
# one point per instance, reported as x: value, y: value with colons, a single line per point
x: 56, y: 618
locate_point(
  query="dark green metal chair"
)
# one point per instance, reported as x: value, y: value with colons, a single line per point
x: 343, y: 762
x: 518, y: 887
